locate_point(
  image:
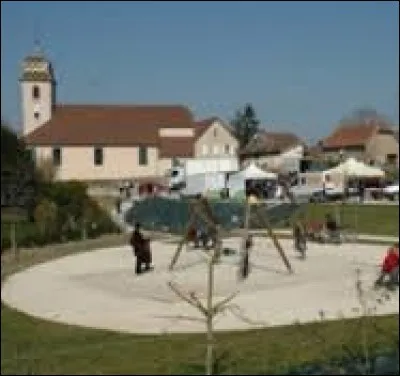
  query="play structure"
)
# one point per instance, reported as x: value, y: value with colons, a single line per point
x: 199, y: 208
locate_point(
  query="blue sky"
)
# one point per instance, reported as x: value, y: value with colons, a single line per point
x: 303, y: 65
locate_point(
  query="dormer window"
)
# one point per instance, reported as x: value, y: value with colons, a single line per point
x: 36, y: 92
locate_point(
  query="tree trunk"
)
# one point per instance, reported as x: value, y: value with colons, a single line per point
x: 210, y: 337
x: 13, y: 238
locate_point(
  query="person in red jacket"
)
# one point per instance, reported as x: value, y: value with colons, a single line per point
x: 390, y: 266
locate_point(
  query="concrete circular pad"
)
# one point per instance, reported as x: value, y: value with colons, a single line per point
x: 99, y: 288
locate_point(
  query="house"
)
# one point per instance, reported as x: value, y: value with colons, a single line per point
x: 111, y: 143
x: 272, y: 150
x: 372, y: 141
x: 214, y: 138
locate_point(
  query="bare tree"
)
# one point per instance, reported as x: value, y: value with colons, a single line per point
x: 210, y: 310
x: 365, y: 116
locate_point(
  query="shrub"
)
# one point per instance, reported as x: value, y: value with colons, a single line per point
x: 63, y: 212
x: 46, y: 214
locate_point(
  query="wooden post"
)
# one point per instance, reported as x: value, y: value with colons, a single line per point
x: 84, y: 229
x: 13, y: 238
x: 201, y: 209
x: 355, y: 222
x: 275, y: 240
x: 181, y: 243
x: 210, y: 315
x: 244, y: 265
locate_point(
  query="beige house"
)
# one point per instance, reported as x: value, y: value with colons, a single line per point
x: 372, y: 142
x: 214, y: 138
x: 101, y: 143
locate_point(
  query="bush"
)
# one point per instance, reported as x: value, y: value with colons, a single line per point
x: 45, y: 215
x: 64, y: 212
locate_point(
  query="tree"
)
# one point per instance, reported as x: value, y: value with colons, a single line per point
x: 365, y: 116
x: 245, y: 125
x: 18, y: 181
x: 14, y: 154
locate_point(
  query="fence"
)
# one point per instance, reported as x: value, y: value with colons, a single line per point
x: 170, y: 215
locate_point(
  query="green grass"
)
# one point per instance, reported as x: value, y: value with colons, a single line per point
x: 31, y: 346
x: 366, y: 219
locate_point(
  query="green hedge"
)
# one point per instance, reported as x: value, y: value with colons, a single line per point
x: 78, y: 216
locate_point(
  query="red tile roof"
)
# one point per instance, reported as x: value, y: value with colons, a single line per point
x: 203, y: 125
x: 353, y: 135
x: 108, y: 125
x: 176, y: 147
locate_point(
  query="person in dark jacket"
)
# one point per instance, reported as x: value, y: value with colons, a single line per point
x: 141, y: 248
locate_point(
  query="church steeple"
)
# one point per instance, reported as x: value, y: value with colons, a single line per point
x: 37, y: 83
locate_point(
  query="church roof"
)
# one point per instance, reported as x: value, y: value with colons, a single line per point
x: 116, y: 125
x: 108, y: 125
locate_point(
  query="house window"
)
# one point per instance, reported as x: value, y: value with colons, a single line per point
x: 205, y: 150
x: 391, y: 159
x: 56, y: 156
x: 216, y: 149
x: 36, y: 115
x: 98, y: 156
x: 215, y: 132
x: 142, y: 156
x: 227, y: 149
x: 36, y: 92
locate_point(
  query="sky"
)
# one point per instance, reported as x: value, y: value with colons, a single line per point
x: 302, y: 65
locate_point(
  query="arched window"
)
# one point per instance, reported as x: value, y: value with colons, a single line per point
x: 36, y: 92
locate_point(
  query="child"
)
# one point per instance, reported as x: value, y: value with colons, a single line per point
x: 390, y: 267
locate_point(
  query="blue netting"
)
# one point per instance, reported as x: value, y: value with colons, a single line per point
x: 171, y: 215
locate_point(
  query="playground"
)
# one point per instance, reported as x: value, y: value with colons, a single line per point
x: 100, y: 289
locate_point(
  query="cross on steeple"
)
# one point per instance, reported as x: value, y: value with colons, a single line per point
x: 37, y: 46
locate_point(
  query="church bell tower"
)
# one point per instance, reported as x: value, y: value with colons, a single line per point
x: 37, y: 92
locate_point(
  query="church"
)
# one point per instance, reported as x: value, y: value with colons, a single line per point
x: 111, y: 143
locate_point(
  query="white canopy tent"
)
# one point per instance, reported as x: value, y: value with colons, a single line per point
x: 349, y: 169
x: 237, y: 181
x: 353, y: 168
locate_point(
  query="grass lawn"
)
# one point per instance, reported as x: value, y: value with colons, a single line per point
x: 33, y: 346
x: 366, y: 219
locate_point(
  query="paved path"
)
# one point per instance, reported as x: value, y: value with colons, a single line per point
x: 99, y: 289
